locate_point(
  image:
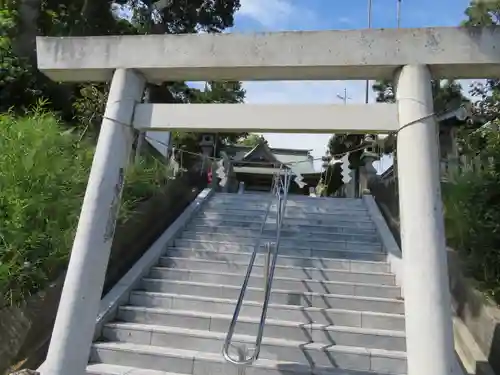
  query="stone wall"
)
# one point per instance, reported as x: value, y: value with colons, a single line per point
x: 25, y: 331
x: 480, y: 316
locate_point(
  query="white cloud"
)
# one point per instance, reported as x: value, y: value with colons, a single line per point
x: 275, y: 14
x: 345, y: 21
x: 266, y: 12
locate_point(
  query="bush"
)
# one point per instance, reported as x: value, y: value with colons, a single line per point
x: 43, y: 173
x: 43, y: 176
x: 472, y: 213
x: 143, y: 180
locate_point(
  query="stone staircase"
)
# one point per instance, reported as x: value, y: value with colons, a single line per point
x: 334, y: 307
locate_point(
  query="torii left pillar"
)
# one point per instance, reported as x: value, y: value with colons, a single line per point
x: 76, y: 317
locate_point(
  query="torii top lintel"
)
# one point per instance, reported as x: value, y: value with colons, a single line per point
x: 450, y: 52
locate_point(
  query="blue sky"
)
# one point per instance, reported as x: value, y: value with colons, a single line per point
x: 280, y: 15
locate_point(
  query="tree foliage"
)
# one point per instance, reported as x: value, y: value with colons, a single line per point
x: 482, y: 13
x: 253, y: 140
x: 43, y: 168
x: 22, y: 84
x: 471, y: 210
x: 331, y: 180
x: 471, y: 201
x: 337, y: 147
x: 17, y: 85
x: 384, y: 90
x: 447, y: 94
x: 181, y: 17
x: 485, y: 13
x: 43, y: 176
x: 38, y: 167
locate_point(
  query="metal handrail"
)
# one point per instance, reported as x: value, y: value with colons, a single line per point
x: 281, y: 190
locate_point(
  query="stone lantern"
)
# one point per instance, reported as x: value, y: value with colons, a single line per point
x: 367, y: 170
x: 207, y: 144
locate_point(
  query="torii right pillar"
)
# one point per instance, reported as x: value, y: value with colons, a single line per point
x: 429, y: 331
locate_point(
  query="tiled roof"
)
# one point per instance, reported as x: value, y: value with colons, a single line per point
x: 302, y: 160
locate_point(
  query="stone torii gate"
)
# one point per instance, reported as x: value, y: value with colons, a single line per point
x: 411, y: 57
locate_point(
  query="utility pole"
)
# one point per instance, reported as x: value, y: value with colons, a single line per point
x: 369, y: 26
x: 344, y: 98
x: 398, y: 13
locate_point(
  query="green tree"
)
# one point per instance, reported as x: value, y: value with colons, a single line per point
x: 181, y: 17
x: 384, y: 91
x: 447, y: 94
x: 253, y: 140
x: 104, y: 17
x: 214, y: 92
x: 485, y: 13
x: 52, y: 18
x: 331, y: 180
x: 471, y: 201
x: 482, y: 13
x: 338, y: 145
x: 17, y: 84
x: 471, y: 211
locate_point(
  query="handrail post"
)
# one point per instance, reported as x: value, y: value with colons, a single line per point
x: 267, y: 263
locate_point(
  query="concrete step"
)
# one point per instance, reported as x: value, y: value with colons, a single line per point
x: 291, y: 213
x: 212, y: 340
x: 294, y: 272
x: 327, y: 211
x: 204, y: 363
x: 237, y: 209
x: 283, y: 260
x: 286, y: 242
x: 264, y: 367
x: 270, y: 224
x: 283, y: 297
x: 270, y: 235
x: 302, y: 199
x: 283, y: 283
x: 270, y: 232
x: 336, y: 320
x: 290, y: 206
x: 335, y: 252
x: 361, y: 222
x: 153, y: 304
x: 107, y: 369
x: 297, y: 331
